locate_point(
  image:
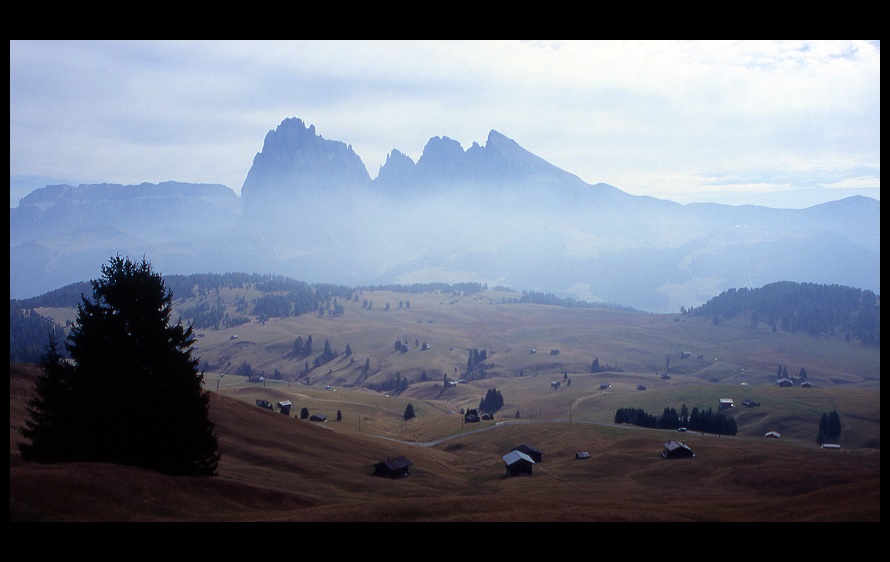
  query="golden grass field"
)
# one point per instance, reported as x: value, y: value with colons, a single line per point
x: 282, y: 468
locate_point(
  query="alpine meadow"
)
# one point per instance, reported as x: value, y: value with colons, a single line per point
x: 477, y: 336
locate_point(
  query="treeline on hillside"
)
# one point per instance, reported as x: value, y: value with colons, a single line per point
x: 215, y: 316
x: 67, y: 296
x: 194, y: 285
x: 801, y: 307
x: 469, y: 288
x: 203, y: 284
x: 282, y: 297
x: 696, y: 420
x: 566, y: 302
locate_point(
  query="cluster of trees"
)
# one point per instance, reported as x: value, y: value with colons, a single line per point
x: 595, y: 367
x: 394, y: 384
x: 568, y: 302
x: 469, y: 288
x: 301, y: 348
x: 335, y: 309
x: 476, y: 361
x: 327, y: 354
x: 203, y: 284
x: 213, y: 316
x: 133, y: 393
x: 801, y: 307
x: 304, y: 414
x: 492, y: 401
x: 696, y: 420
x: 782, y: 372
x: 28, y: 332
x: 829, y: 428
x: 284, y: 296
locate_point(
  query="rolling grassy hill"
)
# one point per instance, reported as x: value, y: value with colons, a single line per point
x: 282, y: 468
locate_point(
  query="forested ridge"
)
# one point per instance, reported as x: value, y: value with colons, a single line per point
x: 788, y: 306
x: 801, y: 307
x: 281, y: 297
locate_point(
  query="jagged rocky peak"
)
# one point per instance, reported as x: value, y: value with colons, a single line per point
x: 442, y: 160
x: 397, y: 172
x: 500, y: 163
x: 295, y: 159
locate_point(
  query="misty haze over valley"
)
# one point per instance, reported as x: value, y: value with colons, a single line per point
x: 492, y: 213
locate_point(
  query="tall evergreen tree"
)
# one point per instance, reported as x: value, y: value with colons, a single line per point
x: 49, y: 426
x: 829, y: 428
x: 134, y: 394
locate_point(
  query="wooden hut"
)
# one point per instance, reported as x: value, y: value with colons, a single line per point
x: 676, y: 450
x: 284, y: 407
x: 393, y: 467
x: 518, y: 463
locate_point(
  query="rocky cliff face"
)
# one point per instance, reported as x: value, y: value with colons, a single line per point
x: 295, y: 162
x: 500, y: 164
x: 170, y: 206
x: 398, y: 173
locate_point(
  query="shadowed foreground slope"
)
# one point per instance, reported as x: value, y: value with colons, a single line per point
x: 278, y: 468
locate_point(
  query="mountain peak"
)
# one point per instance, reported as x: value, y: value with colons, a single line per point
x: 296, y: 159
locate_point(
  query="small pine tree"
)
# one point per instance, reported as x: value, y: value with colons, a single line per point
x: 409, y: 412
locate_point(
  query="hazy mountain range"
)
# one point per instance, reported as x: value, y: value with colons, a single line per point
x: 495, y: 214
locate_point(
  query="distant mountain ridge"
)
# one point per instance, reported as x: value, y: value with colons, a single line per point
x: 495, y: 213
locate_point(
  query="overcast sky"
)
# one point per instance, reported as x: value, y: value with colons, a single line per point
x: 778, y: 123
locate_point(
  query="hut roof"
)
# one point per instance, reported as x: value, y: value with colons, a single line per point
x: 516, y: 456
x: 527, y: 449
x: 676, y: 449
x: 396, y: 463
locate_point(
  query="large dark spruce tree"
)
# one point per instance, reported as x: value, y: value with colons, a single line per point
x: 133, y: 394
